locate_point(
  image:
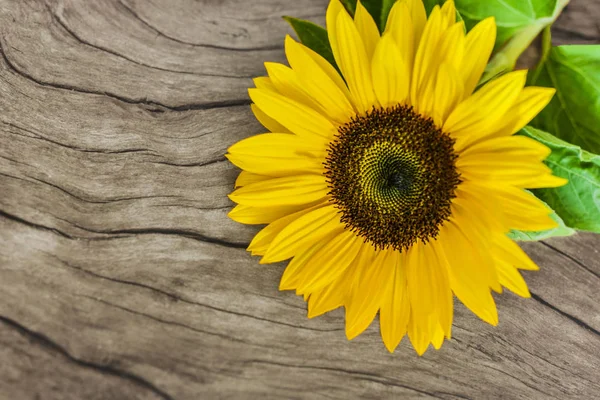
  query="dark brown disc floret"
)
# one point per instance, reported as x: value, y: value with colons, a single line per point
x: 392, y: 175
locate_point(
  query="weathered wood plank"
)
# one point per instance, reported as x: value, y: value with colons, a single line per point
x: 122, y: 276
x: 35, y: 367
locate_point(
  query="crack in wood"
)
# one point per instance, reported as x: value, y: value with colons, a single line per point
x: 369, y: 376
x: 576, y: 261
x: 62, y: 23
x: 163, y: 321
x: 45, y: 341
x: 523, y: 382
x: 38, y: 136
x: 195, y: 164
x: 143, y: 102
x: 183, y: 300
x: 30, y: 179
x: 121, y: 233
x: 14, y: 218
x: 566, y: 315
x: 206, y: 46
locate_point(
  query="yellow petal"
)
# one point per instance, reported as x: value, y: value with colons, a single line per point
x: 477, y: 222
x: 268, y: 122
x: 478, y: 48
x: 284, y: 144
x: 481, y: 215
x: 448, y: 92
x: 309, y: 228
x: 478, y: 115
x: 329, y: 263
x: 438, y: 337
x: 298, y: 118
x: 421, y: 282
x: 525, y: 212
x: 426, y: 56
x: 419, y: 333
x: 512, y: 279
x: 451, y: 48
x: 286, y: 82
x: 428, y: 287
x: 400, y: 27
x: 285, y: 191
x: 449, y: 13
x: 530, y: 102
x: 521, y: 174
x: 524, y: 174
x: 264, y: 83
x: 290, y: 278
x: 262, y: 240
x: 390, y: 73
x: 482, y: 251
x: 498, y: 166
x: 510, y: 252
x: 540, y: 222
x: 465, y: 274
x: 489, y: 104
x: 416, y: 8
x: 261, y: 215
x: 517, y: 146
x: 354, y: 63
x: 445, y: 306
x: 519, y: 209
x: 517, y: 198
x: 333, y: 295
x: 425, y: 100
x: 326, y: 299
x: 372, y: 287
x: 278, y: 154
x: 315, y: 81
x: 545, y: 181
x: 367, y: 29
x: 409, y: 17
x: 395, y: 308
x: 246, y: 178
x: 333, y: 10
x: 331, y: 72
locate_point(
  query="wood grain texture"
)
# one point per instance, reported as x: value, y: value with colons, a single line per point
x: 121, y: 275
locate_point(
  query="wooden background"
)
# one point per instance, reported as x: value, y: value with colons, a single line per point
x: 121, y: 276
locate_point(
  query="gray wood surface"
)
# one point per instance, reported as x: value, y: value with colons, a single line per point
x: 121, y: 276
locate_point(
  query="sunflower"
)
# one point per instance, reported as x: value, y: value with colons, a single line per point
x: 392, y: 186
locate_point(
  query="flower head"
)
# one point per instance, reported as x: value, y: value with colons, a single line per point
x: 393, y: 185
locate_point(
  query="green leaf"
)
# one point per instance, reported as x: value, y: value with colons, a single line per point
x: 519, y: 22
x: 512, y: 16
x: 578, y: 202
x: 574, y: 113
x: 560, y: 230
x: 313, y: 36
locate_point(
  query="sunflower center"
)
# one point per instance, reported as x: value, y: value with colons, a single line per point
x: 392, y: 175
